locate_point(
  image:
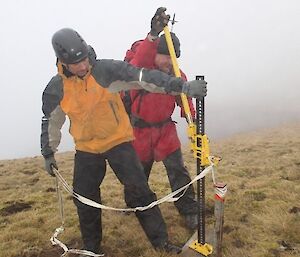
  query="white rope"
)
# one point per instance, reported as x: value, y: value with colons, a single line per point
x: 168, y: 198
x: 219, y: 191
x: 55, y: 241
x: 59, y: 230
x: 60, y: 201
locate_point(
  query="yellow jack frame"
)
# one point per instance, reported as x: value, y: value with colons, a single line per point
x: 205, y: 249
x: 199, y: 152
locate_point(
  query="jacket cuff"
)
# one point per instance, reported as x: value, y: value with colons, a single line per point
x: 151, y: 38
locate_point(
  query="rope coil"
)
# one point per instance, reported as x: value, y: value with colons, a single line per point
x: 55, y: 241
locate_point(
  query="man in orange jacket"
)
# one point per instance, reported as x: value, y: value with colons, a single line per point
x: 82, y: 90
x: 155, y: 133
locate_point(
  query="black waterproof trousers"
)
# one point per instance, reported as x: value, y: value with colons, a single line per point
x: 89, y: 171
x: 178, y: 177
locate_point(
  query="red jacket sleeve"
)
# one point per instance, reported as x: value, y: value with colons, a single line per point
x: 145, y: 54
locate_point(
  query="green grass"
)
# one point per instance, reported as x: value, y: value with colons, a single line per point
x: 261, y: 169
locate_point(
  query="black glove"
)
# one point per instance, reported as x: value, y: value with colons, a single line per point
x: 159, y: 21
x: 195, y: 88
x: 50, y: 163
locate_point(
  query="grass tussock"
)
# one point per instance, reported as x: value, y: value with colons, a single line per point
x: 262, y: 208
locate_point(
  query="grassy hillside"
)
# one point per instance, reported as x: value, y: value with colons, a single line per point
x: 262, y: 212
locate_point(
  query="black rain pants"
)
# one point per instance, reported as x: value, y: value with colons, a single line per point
x: 89, y: 171
x: 178, y: 177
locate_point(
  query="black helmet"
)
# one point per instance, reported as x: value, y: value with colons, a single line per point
x: 162, y: 47
x: 91, y: 53
x: 69, y: 46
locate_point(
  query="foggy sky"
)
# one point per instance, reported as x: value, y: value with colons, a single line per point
x: 249, y: 52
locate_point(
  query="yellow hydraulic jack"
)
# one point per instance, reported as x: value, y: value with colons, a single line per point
x: 200, y: 148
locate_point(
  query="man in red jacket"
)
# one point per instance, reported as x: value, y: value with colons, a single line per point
x: 150, y: 113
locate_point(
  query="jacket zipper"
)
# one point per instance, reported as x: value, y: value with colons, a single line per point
x: 85, y: 84
x: 114, y: 111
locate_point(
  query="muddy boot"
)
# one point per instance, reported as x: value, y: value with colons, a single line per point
x: 169, y: 248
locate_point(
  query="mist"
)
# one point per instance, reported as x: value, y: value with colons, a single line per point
x: 248, y: 51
